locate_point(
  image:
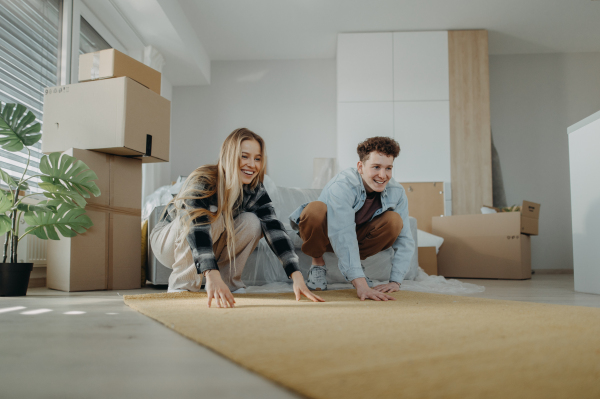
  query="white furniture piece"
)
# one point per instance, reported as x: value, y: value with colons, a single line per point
x: 584, y: 141
x: 430, y: 92
x: 396, y: 84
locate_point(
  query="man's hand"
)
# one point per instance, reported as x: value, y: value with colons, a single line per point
x: 217, y: 289
x: 392, y: 286
x: 363, y: 291
x: 300, y: 288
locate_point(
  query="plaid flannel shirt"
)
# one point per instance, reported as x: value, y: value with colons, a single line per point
x: 256, y: 201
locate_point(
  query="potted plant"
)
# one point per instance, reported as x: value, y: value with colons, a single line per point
x: 65, y: 182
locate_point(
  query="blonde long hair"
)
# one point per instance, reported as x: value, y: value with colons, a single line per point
x: 222, y: 179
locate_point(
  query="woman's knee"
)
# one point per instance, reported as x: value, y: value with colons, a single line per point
x: 250, y: 223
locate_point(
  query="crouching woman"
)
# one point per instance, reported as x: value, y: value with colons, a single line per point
x: 215, y: 222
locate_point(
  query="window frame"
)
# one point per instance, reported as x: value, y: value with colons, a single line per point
x: 79, y: 10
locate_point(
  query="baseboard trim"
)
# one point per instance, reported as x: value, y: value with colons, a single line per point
x: 552, y: 271
x: 37, y: 282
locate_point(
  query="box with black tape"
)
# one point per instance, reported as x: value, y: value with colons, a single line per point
x: 116, y: 116
x: 107, y: 256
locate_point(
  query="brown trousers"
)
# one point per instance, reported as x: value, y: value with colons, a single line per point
x: 373, y: 237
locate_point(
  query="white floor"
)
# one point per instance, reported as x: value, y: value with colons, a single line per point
x: 111, y: 351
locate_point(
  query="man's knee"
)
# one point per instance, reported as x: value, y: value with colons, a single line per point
x: 393, y: 223
x: 314, y: 213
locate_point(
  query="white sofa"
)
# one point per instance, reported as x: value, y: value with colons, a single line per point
x: 263, y: 267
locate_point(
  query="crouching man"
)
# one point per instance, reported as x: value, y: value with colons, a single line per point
x: 359, y: 213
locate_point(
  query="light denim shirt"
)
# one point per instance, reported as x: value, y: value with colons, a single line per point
x: 344, y: 195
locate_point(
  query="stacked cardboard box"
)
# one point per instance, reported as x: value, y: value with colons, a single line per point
x: 113, y: 124
x: 494, y: 245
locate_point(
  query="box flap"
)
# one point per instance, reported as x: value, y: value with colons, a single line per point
x: 530, y: 210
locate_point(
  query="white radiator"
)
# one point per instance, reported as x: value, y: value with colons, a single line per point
x: 31, y: 250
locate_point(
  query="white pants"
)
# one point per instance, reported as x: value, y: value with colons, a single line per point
x: 176, y: 253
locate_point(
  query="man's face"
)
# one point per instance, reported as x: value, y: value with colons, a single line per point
x: 376, y: 171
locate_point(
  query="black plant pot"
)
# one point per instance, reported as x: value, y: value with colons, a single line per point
x: 14, y: 278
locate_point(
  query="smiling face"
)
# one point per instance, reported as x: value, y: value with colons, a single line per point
x: 376, y: 171
x: 250, y: 160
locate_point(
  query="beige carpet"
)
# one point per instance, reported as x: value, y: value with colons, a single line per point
x: 420, y: 346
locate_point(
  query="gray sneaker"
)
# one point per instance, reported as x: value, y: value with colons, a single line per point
x: 317, y: 279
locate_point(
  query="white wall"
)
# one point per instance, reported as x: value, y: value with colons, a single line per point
x: 291, y: 104
x: 534, y: 98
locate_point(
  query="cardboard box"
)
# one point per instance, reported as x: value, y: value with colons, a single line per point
x: 530, y: 215
x: 428, y: 260
x: 108, y: 255
x: 483, y: 246
x: 116, y: 116
x: 111, y: 63
x: 425, y: 200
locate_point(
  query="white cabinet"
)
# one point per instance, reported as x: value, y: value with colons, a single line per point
x: 358, y: 121
x: 423, y: 130
x: 421, y: 66
x: 432, y: 105
x: 584, y: 141
x: 396, y: 85
x: 365, y: 67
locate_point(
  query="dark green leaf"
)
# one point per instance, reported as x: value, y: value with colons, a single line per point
x: 62, y: 194
x: 6, y: 202
x: 67, y: 220
x: 5, y: 224
x: 16, y: 130
x: 70, y: 172
x: 6, y: 178
x: 36, y: 208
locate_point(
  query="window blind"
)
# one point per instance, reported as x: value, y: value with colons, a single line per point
x: 29, y: 54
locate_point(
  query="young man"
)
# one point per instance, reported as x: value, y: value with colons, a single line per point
x: 360, y: 212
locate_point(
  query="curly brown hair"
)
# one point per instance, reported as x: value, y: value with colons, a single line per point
x: 383, y: 145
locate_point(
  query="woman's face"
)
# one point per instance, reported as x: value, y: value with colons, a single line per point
x: 251, y: 161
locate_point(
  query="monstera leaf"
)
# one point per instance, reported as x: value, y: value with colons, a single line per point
x: 69, y: 172
x: 41, y: 207
x: 6, y: 203
x: 16, y: 128
x: 6, y: 178
x: 68, y: 220
x: 59, y: 194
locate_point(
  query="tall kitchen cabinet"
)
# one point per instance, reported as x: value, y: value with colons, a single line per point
x: 430, y: 92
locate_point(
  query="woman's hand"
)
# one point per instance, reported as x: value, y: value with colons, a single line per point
x: 217, y: 289
x: 300, y: 288
x: 392, y: 286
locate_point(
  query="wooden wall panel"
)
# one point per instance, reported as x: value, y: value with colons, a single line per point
x: 470, y: 131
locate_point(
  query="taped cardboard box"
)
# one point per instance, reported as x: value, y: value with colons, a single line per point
x: 425, y: 200
x: 530, y: 215
x: 108, y: 255
x: 116, y: 116
x: 428, y: 260
x: 110, y: 63
x: 483, y: 246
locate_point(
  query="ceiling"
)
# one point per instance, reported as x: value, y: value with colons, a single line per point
x: 192, y: 33
x: 296, y: 29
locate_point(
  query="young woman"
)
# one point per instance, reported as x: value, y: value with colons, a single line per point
x: 215, y: 222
